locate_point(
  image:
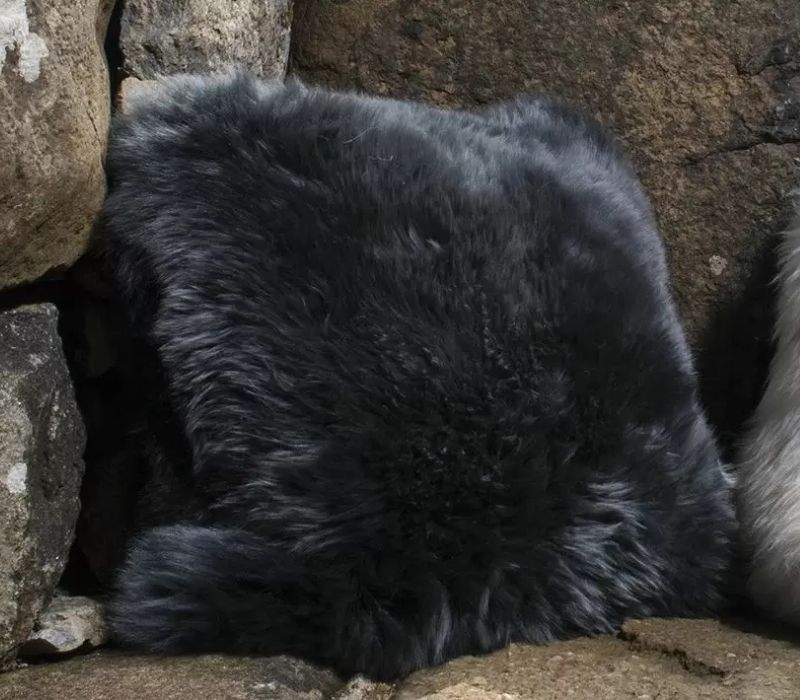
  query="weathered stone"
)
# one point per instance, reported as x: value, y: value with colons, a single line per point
x: 110, y: 676
x: 664, y: 659
x: 162, y: 37
x: 53, y: 122
x: 705, y: 94
x: 359, y: 688
x: 41, y: 442
x: 68, y: 624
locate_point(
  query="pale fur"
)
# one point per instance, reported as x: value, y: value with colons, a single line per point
x: 769, y: 469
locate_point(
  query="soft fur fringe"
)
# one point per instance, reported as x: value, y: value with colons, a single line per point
x: 769, y: 461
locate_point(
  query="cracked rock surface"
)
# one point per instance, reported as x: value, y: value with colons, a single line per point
x: 704, y: 94
x: 652, y: 659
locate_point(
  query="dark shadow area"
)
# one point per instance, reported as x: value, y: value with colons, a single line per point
x: 736, y: 351
x: 112, y: 49
x: 95, y: 345
x: 34, y: 657
x: 46, y: 291
x: 751, y: 620
x: 133, y: 441
x: 91, y: 344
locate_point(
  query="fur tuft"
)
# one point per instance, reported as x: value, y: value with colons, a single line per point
x: 189, y: 588
x: 769, y: 460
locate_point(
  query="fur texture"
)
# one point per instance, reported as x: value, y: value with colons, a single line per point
x: 416, y: 384
x: 769, y: 488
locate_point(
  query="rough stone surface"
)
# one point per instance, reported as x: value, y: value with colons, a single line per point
x: 41, y: 442
x: 704, y: 93
x: 162, y: 37
x: 54, y: 106
x: 663, y: 659
x: 68, y: 624
x: 668, y: 660
x: 360, y: 688
x: 110, y: 676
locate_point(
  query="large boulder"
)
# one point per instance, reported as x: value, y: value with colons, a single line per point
x: 41, y: 442
x: 54, y: 106
x: 162, y: 37
x: 705, y: 95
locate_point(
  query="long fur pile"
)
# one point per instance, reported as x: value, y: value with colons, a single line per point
x: 416, y: 385
x: 769, y: 461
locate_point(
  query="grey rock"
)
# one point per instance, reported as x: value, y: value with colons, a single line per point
x: 68, y: 624
x: 41, y: 442
x: 54, y: 107
x: 163, y: 37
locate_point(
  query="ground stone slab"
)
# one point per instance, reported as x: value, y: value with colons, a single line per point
x: 113, y: 676
x: 41, y: 443
x: 663, y: 659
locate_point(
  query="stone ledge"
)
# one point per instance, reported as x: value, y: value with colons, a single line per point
x: 664, y: 659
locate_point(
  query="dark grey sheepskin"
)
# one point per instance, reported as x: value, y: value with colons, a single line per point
x: 414, y: 380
